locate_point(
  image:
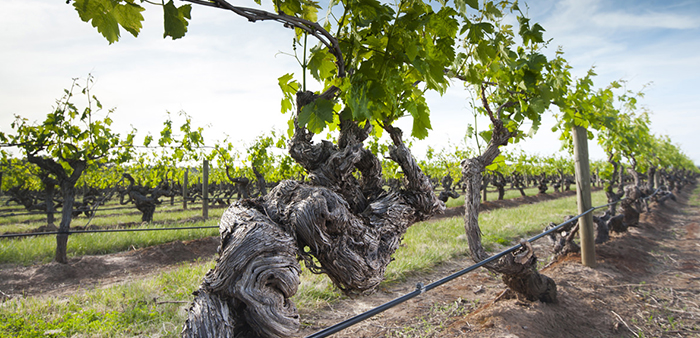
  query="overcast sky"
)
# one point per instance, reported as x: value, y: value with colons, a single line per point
x: 224, y: 72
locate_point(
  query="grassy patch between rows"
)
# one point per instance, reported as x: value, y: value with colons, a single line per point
x: 107, y: 218
x: 152, y: 307
x: 156, y: 306
x: 493, y: 196
x: 41, y: 249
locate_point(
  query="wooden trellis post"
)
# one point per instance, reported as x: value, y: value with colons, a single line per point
x: 205, y: 189
x: 184, y: 189
x: 583, y: 196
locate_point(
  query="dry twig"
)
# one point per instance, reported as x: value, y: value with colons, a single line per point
x: 625, y: 323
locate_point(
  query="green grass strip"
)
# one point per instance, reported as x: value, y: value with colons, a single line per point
x: 41, y: 249
x: 149, y: 307
x: 163, y: 214
x: 145, y: 307
x: 493, y: 196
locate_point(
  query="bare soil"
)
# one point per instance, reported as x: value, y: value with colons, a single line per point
x: 646, y: 283
x: 88, y: 271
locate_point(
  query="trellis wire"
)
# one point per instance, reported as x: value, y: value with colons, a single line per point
x: 179, y: 200
x: 104, y: 231
x: 97, y: 205
x: 58, y: 212
x: 11, y: 214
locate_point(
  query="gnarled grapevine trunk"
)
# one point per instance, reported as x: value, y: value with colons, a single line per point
x: 485, y: 179
x: 542, y: 184
x: 629, y: 207
x: 341, y: 225
x: 563, y: 239
x: 609, y: 185
x: 260, y: 181
x: 241, y: 184
x: 519, y: 268
x: 67, y: 184
x: 500, y: 183
x: 144, y: 203
x: 448, y: 191
x: 257, y: 272
x: 518, y: 183
x: 50, y: 190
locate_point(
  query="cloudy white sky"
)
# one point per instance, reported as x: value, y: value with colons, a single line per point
x: 224, y: 72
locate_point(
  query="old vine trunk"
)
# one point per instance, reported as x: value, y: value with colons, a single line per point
x: 519, y: 268
x: 341, y: 225
x: 67, y: 184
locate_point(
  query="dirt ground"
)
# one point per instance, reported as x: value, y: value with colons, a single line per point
x: 87, y: 271
x: 646, y: 284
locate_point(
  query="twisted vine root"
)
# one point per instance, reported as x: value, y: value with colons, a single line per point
x: 519, y: 269
x: 256, y: 274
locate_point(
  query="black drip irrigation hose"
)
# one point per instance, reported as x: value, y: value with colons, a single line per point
x: 10, y: 214
x: 420, y: 288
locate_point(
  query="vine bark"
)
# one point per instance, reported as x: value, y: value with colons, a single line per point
x: 519, y: 269
x: 340, y: 221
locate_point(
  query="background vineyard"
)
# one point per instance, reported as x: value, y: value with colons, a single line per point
x: 105, y: 188
x: 100, y: 191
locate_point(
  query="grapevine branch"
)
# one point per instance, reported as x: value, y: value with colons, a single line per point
x: 309, y: 27
x: 485, y: 103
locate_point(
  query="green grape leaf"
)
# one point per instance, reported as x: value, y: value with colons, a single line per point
x: 321, y: 64
x: 317, y: 115
x: 129, y: 17
x: 412, y: 50
x: 530, y: 35
x: 175, y: 20
x: 462, y: 5
x: 470, y: 130
x: 309, y: 10
x: 286, y: 105
x: 286, y: 83
x: 358, y: 102
x: 289, y: 7
x: 499, y: 161
x: 421, y: 119
x: 108, y: 15
x: 486, y: 135
x: 492, y: 10
x: 101, y: 15
x: 289, y: 88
